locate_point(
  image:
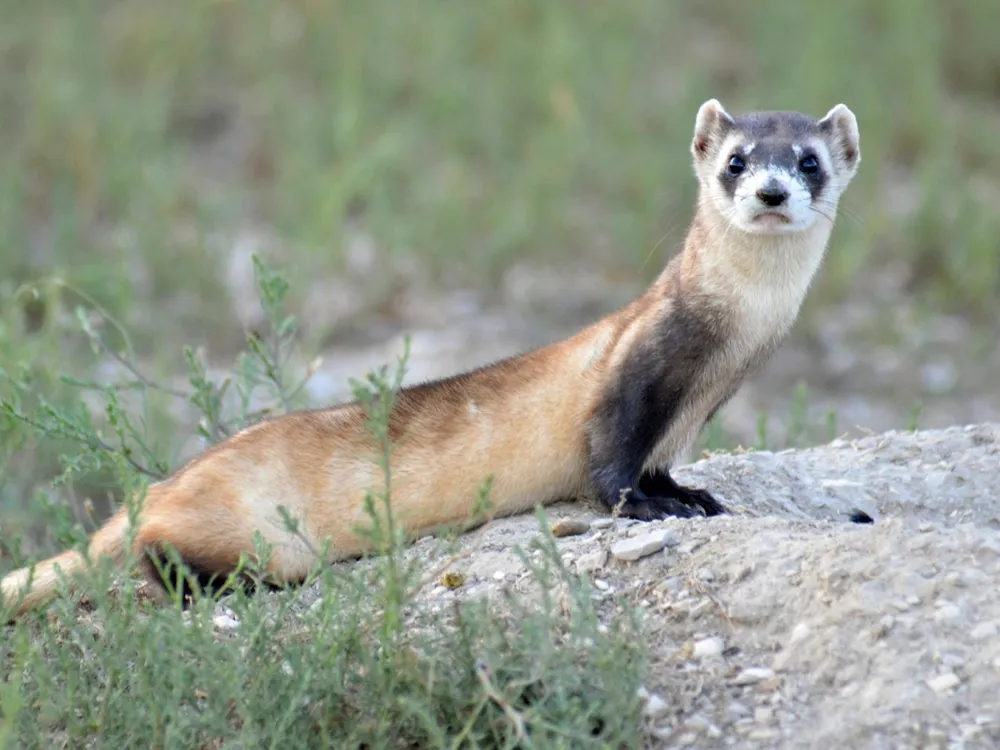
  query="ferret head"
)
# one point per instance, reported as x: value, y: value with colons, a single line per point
x: 774, y: 172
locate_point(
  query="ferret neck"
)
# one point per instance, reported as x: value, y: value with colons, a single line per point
x: 714, y: 246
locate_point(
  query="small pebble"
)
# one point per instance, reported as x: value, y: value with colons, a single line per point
x: 698, y: 723
x: 499, y: 575
x: 696, y: 609
x: 741, y: 573
x: 592, y: 561
x: 832, y: 483
x: 643, y: 545
x: 943, y: 682
x: 936, y: 479
x: 956, y: 580
x: 970, y: 732
x: 225, y: 622
x: 655, y: 706
x: 989, y: 545
x: 602, y: 523
x: 570, y: 527
x: 883, y: 627
x: 674, y: 584
x: 953, y: 661
x: 738, y: 710
x: 763, y: 715
x: 800, y: 632
x: 601, y: 584
x: 452, y: 579
x: 947, y: 613
x: 709, y: 647
x: 753, y: 675
x: 984, y: 630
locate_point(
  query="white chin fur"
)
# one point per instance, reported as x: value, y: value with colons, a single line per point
x: 754, y: 223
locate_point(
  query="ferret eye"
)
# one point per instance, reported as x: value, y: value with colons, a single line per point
x: 809, y: 165
x: 735, y: 166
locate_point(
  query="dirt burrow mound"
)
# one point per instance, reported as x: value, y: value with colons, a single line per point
x: 785, y: 625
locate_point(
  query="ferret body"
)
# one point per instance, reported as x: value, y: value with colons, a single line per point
x: 604, y: 413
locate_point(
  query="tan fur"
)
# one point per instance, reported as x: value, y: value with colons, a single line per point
x: 522, y: 421
x: 108, y: 541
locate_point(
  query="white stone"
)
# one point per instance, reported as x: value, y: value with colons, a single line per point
x: 943, y: 682
x: 643, y: 545
x: 225, y: 622
x: 655, y: 706
x: 753, y: 675
x: 947, y: 613
x: 800, y: 632
x: 709, y: 647
x: 984, y: 630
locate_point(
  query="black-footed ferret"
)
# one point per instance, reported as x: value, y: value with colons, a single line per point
x: 606, y: 412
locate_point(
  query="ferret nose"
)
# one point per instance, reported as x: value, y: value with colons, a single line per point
x: 772, y: 194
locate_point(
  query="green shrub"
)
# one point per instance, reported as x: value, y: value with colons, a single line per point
x: 363, y: 664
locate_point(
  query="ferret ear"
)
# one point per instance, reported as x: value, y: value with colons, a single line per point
x: 710, y: 126
x: 841, y: 127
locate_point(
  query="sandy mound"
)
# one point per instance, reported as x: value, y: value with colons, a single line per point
x: 785, y: 625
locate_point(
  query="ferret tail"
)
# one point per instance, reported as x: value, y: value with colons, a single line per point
x: 27, y: 588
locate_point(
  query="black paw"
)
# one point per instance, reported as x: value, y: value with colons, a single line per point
x: 655, y: 509
x: 660, y: 490
x: 704, y: 500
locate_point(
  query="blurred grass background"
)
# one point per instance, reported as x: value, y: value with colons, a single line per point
x: 140, y: 142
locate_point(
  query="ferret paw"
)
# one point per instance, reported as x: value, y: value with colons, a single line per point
x: 660, y: 489
x: 655, y: 509
x: 704, y: 500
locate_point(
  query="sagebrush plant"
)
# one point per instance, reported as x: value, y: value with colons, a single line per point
x: 353, y: 659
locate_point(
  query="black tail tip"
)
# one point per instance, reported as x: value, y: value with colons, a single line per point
x: 859, y: 516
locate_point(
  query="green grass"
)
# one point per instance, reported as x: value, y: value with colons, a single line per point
x: 463, y: 136
x: 321, y: 676
x: 363, y: 665
x: 341, y: 673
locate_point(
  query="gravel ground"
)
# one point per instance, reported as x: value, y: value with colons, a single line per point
x: 784, y: 625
